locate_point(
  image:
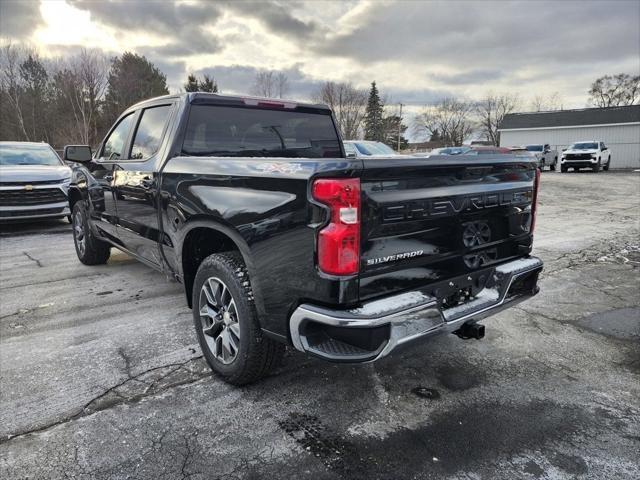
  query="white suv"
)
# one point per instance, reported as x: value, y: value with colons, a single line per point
x: 590, y: 154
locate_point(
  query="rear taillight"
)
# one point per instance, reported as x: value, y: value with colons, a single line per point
x: 339, y: 241
x: 534, y: 200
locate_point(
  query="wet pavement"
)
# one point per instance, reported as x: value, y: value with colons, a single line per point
x: 101, y: 376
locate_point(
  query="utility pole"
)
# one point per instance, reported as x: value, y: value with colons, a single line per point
x: 399, y: 127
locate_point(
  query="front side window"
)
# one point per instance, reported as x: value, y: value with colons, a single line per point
x: 221, y: 131
x: 28, y: 155
x: 149, y: 133
x: 114, y: 144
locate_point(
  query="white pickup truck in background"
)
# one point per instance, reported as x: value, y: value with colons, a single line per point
x: 544, y: 154
x: 590, y: 154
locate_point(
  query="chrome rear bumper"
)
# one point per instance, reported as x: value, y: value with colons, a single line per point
x: 377, y: 328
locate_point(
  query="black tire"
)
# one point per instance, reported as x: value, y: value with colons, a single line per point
x: 257, y: 355
x: 596, y: 167
x: 563, y: 169
x: 553, y: 167
x: 606, y: 167
x: 90, y: 250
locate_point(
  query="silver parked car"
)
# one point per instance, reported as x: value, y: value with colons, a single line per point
x: 33, y: 182
x: 368, y: 148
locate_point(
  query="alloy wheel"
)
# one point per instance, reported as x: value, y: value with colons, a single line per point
x: 219, y: 320
x: 79, y: 233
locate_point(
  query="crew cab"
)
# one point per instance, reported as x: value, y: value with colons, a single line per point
x: 588, y: 154
x: 545, y: 155
x: 279, y: 238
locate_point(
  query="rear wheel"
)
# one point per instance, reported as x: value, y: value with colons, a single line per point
x: 90, y: 250
x: 227, y: 324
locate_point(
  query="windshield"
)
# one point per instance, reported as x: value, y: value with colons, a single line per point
x: 584, y: 146
x: 28, y: 155
x: 374, y: 148
x: 534, y: 148
x: 251, y: 132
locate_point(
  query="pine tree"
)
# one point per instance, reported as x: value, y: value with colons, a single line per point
x: 36, y: 98
x: 391, y: 124
x: 207, y: 84
x: 374, y: 120
x: 192, y: 84
x: 132, y: 78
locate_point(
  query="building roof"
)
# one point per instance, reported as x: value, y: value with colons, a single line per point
x: 570, y: 118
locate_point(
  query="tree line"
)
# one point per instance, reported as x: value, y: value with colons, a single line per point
x: 77, y: 98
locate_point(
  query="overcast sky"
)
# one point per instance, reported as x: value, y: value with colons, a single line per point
x: 416, y: 51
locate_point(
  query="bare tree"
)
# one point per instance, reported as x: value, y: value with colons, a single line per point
x: 80, y: 86
x: 451, y: 118
x: 270, y: 84
x: 348, y: 104
x: 491, y: 110
x: 547, y: 103
x: 11, y: 86
x: 615, y: 90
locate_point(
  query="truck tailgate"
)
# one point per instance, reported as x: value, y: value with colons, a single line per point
x: 425, y: 220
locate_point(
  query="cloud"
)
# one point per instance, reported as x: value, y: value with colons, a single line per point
x: 277, y: 17
x: 184, y: 26
x: 505, y: 34
x: 19, y: 18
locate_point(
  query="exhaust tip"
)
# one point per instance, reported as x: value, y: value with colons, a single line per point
x: 470, y: 330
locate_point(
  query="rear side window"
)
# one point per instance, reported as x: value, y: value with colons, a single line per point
x: 149, y: 132
x: 250, y: 132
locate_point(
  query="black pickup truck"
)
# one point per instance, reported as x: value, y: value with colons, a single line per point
x: 279, y: 238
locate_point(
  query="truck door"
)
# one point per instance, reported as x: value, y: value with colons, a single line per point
x: 103, y: 211
x: 136, y: 185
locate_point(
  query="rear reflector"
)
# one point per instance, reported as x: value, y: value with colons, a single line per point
x: 339, y: 241
x: 534, y: 201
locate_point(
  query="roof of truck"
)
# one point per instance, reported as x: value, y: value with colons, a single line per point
x: 219, y: 99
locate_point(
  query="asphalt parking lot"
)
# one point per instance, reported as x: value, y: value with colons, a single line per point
x: 101, y: 376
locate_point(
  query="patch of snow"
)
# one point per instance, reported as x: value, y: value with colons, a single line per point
x: 484, y: 298
x: 518, y: 265
x: 385, y: 305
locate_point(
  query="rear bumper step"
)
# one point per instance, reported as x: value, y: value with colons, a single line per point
x: 377, y: 328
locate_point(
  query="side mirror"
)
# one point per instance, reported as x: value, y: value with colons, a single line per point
x: 605, y: 148
x: 77, y: 153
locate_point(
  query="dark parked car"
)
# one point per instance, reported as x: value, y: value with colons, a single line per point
x: 280, y: 239
x: 33, y: 182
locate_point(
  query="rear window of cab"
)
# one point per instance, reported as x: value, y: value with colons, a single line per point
x: 223, y: 131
